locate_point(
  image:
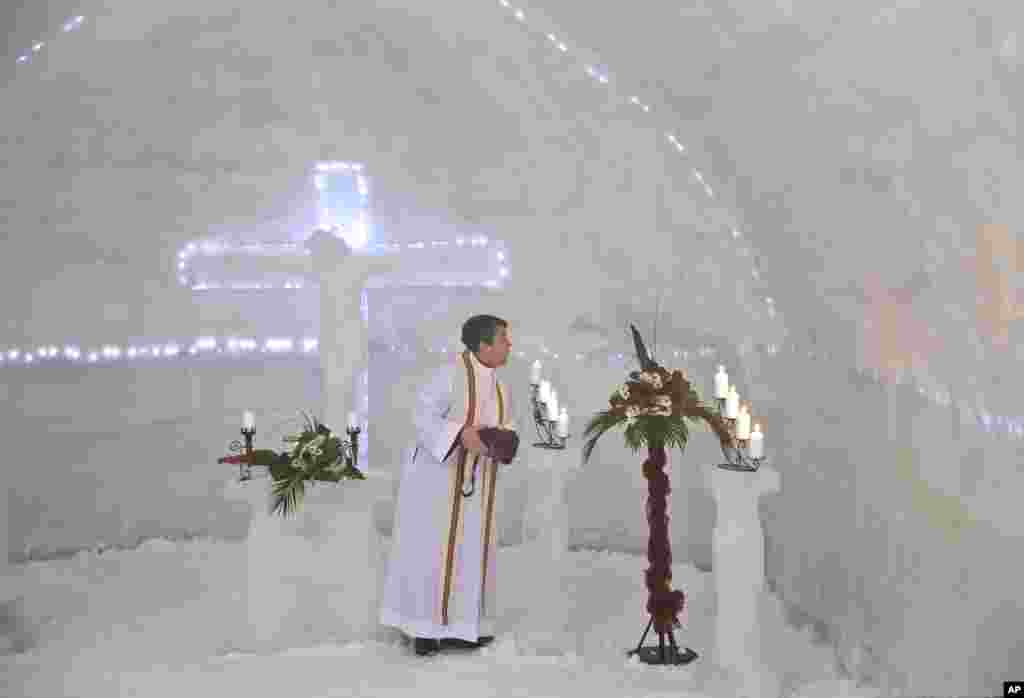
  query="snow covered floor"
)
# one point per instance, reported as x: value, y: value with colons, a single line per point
x: 163, y: 619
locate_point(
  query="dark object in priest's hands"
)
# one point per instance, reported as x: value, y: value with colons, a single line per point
x: 501, y: 444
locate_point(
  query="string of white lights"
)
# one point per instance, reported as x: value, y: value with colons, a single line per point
x: 602, y: 76
x: 215, y: 248
x: 240, y: 348
x: 69, y: 26
x: 16, y: 356
x: 232, y: 346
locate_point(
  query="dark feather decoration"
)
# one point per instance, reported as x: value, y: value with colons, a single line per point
x: 646, y: 363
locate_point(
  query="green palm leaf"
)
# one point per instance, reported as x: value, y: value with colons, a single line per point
x: 288, y: 492
x: 598, y: 425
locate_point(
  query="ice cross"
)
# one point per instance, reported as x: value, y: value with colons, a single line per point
x: 344, y: 265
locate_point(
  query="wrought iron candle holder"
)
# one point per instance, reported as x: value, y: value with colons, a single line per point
x: 547, y: 429
x: 351, y: 447
x: 738, y: 456
x: 236, y: 446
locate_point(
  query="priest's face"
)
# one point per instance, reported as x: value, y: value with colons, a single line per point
x: 496, y: 354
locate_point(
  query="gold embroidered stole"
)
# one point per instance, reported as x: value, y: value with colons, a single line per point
x: 454, y: 531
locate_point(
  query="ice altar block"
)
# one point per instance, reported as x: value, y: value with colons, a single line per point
x: 738, y: 564
x: 315, y: 576
x: 545, y: 536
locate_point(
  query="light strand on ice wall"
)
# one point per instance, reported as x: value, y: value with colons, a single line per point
x: 69, y: 26
x: 602, y: 77
x: 291, y: 347
x: 214, y: 248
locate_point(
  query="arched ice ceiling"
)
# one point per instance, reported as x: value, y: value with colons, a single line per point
x: 874, y: 148
x: 861, y: 145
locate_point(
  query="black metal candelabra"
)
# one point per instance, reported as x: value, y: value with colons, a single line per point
x: 351, y: 447
x: 547, y: 428
x: 244, y: 469
x: 738, y: 456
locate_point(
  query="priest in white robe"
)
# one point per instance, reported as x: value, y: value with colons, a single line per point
x: 440, y: 582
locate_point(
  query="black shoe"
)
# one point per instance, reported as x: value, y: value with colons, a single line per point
x: 455, y: 643
x: 426, y: 646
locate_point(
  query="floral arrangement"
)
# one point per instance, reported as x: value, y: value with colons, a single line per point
x: 317, y: 455
x: 654, y: 405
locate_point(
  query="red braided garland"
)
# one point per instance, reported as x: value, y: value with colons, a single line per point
x: 663, y: 604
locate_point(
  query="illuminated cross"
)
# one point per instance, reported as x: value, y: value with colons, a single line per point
x: 339, y: 258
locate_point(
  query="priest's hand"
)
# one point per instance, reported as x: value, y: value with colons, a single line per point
x: 471, y: 440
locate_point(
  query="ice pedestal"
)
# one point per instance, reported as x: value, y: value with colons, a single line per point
x: 545, y: 538
x: 8, y: 576
x: 738, y: 565
x: 315, y: 576
x: 6, y: 573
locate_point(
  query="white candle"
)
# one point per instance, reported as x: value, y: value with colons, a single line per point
x: 545, y: 391
x: 352, y: 420
x: 732, y: 403
x: 553, y: 406
x: 757, y: 443
x: 563, y: 423
x: 248, y: 421
x: 743, y: 423
x: 535, y: 373
x: 721, y: 383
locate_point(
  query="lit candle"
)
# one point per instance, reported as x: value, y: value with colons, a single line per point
x: 757, y: 443
x: 743, y: 423
x: 721, y: 384
x: 732, y: 403
x: 553, y: 405
x: 352, y: 420
x: 563, y: 423
x: 545, y: 391
x: 535, y: 373
x: 248, y: 421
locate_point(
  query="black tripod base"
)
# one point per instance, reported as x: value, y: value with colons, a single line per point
x: 664, y: 653
x: 738, y: 468
x: 672, y: 655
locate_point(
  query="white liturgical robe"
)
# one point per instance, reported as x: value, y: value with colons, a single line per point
x: 440, y: 579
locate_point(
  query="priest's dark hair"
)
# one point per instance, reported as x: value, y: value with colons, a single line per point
x: 481, y: 328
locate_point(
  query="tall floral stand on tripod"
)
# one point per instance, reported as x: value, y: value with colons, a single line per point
x: 655, y: 405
